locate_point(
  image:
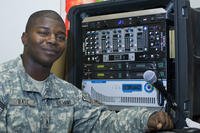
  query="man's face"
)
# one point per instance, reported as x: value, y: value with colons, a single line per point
x: 45, y: 41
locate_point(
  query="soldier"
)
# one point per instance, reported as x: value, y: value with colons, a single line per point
x: 32, y: 99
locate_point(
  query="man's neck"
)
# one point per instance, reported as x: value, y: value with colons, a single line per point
x: 35, y: 70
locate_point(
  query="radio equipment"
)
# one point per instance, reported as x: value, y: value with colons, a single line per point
x: 117, y: 49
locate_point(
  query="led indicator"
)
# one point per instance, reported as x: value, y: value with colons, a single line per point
x: 100, y: 66
x: 145, y: 27
x: 120, y: 22
x: 100, y: 74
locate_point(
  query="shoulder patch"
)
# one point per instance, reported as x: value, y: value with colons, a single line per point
x: 86, y: 97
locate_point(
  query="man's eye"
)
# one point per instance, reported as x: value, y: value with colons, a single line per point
x: 60, y: 37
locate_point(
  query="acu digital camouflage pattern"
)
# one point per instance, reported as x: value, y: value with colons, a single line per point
x: 59, y: 108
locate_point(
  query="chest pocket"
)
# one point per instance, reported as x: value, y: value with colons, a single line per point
x: 61, y: 115
x: 22, y: 116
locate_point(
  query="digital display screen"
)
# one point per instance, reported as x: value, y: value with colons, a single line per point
x: 131, y: 87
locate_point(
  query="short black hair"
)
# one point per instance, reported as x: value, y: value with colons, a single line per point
x: 42, y: 13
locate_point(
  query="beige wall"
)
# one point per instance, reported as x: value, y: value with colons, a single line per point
x: 59, y: 66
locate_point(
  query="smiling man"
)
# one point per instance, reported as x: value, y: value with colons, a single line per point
x: 32, y: 99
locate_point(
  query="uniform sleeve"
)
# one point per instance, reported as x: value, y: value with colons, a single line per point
x: 2, y: 110
x: 90, y: 117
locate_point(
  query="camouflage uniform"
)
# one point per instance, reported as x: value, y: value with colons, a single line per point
x: 59, y: 107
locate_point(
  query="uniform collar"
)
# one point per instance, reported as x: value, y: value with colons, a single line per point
x: 52, y: 91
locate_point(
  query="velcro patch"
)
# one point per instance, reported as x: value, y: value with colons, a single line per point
x: 22, y: 102
x: 63, y: 102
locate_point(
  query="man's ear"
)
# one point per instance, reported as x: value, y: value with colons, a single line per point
x: 24, y: 38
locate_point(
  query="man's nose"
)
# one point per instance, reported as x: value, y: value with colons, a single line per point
x: 52, y: 38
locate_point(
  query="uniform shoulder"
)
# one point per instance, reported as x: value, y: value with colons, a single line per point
x: 6, y: 66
